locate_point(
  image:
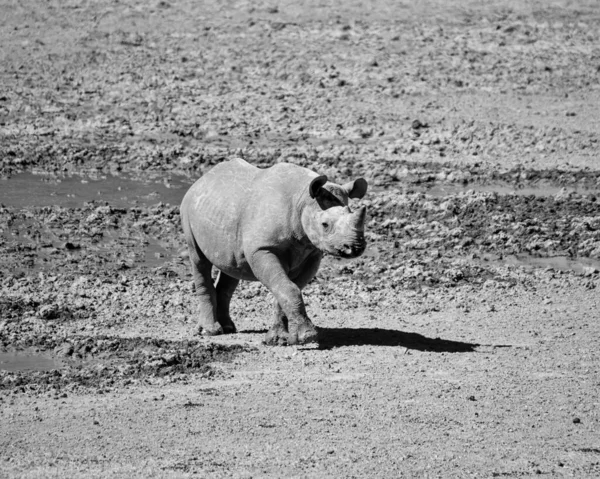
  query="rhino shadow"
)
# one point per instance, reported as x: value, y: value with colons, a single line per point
x: 330, y: 338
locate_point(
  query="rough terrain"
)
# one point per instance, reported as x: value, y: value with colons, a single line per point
x: 463, y: 343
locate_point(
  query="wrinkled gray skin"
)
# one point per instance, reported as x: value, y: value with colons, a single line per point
x: 270, y: 225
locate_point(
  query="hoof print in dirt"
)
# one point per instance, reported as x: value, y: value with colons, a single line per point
x: 270, y: 225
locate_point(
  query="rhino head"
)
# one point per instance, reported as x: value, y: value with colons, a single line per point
x: 329, y: 222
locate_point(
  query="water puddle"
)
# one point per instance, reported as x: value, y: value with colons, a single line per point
x: 449, y: 189
x: 28, y: 361
x: 99, y: 360
x: 29, y: 189
x: 557, y: 263
x: 540, y: 190
x: 156, y: 253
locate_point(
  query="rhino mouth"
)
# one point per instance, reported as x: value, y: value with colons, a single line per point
x: 350, y: 251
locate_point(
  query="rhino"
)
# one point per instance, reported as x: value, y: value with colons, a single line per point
x: 271, y: 225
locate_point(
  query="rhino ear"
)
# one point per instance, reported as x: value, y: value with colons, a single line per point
x: 316, y: 184
x: 357, y: 188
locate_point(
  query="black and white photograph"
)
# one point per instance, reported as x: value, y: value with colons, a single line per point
x: 309, y: 239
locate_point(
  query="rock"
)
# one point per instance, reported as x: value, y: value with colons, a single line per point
x: 563, y: 194
x: 589, y: 270
x: 417, y: 124
x: 65, y: 349
x: 170, y: 359
x: 49, y: 311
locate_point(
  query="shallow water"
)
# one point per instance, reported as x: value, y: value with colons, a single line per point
x: 442, y: 190
x: 27, y: 361
x: 558, y: 263
x: 29, y: 189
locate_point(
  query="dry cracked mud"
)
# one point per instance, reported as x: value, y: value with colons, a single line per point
x: 463, y: 343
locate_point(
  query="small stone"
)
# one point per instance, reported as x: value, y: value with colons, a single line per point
x: 589, y: 270
x: 49, y: 311
x: 416, y: 124
x: 563, y: 194
x: 576, y: 420
x: 65, y: 349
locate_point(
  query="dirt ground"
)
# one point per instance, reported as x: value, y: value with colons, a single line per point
x: 463, y: 343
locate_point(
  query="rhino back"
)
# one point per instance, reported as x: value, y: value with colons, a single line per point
x: 272, y: 219
x: 212, y: 212
x: 275, y: 201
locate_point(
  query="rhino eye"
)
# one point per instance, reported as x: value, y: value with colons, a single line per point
x: 325, y: 225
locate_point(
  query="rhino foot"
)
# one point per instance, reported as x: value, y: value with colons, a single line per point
x: 276, y: 336
x: 218, y: 329
x: 307, y: 334
x: 211, y: 331
x: 229, y: 328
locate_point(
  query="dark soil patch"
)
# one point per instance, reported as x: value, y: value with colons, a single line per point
x: 103, y: 361
x: 566, y: 224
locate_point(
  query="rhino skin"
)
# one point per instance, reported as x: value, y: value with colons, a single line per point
x: 271, y: 225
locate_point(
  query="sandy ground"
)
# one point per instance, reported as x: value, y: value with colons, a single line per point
x: 464, y: 343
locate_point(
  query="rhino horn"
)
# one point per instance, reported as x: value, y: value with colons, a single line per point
x: 358, y: 219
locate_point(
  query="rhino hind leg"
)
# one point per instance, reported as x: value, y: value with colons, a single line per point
x: 201, y: 271
x: 225, y: 286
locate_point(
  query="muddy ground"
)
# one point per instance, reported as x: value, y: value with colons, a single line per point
x: 464, y: 343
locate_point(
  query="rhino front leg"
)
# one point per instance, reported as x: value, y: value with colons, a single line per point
x: 289, y: 307
x: 279, y: 332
